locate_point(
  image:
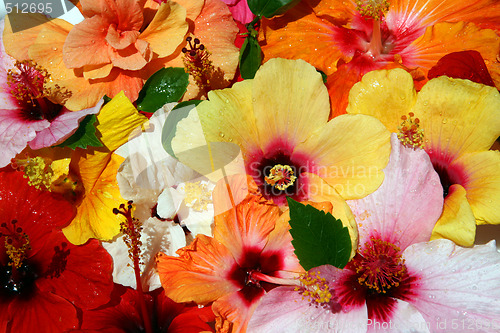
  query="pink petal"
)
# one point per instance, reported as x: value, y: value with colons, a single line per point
x: 406, y: 206
x: 404, y: 318
x: 15, y: 133
x: 240, y: 11
x: 62, y: 127
x: 458, y: 286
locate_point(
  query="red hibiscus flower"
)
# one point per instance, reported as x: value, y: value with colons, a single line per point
x: 43, y: 277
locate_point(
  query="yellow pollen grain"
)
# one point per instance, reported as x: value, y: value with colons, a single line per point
x: 410, y: 134
x: 281, y: 177
x: 375, y: 9
x: 315, y: 288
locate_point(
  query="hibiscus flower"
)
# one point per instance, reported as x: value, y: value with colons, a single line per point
x: 346, y: 39
x: 460, y: 120
x: 399, y: 281
x: 121, y: 43
x: 250, y: 250
x: 279, y: 120
x: 30, y: 113
x: 44, y: 279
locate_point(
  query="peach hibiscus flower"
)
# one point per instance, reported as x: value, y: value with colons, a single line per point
x: 345, y: 39
x: 120, y: 43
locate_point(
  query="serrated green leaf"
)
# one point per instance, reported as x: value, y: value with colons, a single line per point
x: 165, y: 86
x: 179, y: 112
x: 318, y: 237
x: 250, y: 57
x: 85, y: 135
x: 270, y: 8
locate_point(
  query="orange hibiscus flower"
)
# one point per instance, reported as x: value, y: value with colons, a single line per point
x: 120, y: 43
x: 346, y: 39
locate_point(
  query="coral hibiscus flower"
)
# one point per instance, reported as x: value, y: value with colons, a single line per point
x: 119, y: 44
x: 43, y: 277
x: 251, y: 249
x: 460, y: 120
x: 346, y: 41
x: 398, y: 281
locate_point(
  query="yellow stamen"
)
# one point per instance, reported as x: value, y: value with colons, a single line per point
x: 198, y: 196
x: 16, y: 244
x: 315, y: 288
x: 37, y: 170
x: 281, y: 177
x: 410, y: 134
x: 375, y: 9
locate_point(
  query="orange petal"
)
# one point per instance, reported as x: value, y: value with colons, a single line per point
x: 300, y: 34
x: 444, y: 38
x: 339, y: 84
x: 96, y: 71
x: 167, y: 30
x: 86, y: 44
x: 193, y: 7
x: 27, y: 27
x: 198, y: 274
x: 457, y: 221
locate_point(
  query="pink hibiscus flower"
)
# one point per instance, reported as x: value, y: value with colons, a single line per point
x: 397, y: 281
x: 28, y: 114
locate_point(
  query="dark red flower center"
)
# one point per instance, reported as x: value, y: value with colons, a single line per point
x: 279, y: 177
x: 17, y: 276
x: 247, y: 274
x: 448, y: 175
x: 379, y: 276
x: 27, y: 84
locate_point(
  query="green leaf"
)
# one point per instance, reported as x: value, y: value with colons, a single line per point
x: 179, y: 112
x: 318, y: 237
x: 323, y: 75
x: 165, y: 86
x: 250, y: 57
x: 270, y: 8
x: 85, y: 135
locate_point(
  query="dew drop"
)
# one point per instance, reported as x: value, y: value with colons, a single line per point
x: 444, y: 121
x: 221, y: 134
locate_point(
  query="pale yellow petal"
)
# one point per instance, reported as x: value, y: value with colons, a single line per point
x: 384, y: 94
x: 457, y: 221
x: 352, y: 150
x: 290, y: 101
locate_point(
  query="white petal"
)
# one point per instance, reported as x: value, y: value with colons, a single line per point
x: 405, y: 318
x: 459, y: 288
x: 166, y: 208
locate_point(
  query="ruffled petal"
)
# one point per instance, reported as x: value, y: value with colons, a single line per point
x: 167, y: 30
x: 455, y: 284
x: 290, y: 101
x: 384, y: 94
x: 457, y: 116
x: 482, y: 184
x: 457, y: 221
x: 404, y: 209
x: 199, y: 274
x: 350, y: 152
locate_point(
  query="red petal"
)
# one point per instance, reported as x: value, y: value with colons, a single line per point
x: 30, y: 206
x: 463, y: 65
x: 81, y: 274
x: 43, y: 313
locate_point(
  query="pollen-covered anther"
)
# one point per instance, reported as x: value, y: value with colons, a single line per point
x: 197, y: 62
x: 315, y: 288
x: 410, y: 134
x: 16, y: 243
x: 379, y: 265
x: 198, y: 196
x: 281, y: 177
x: 131, y: 229
x: 375, y: 9
x: 37, y: 169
